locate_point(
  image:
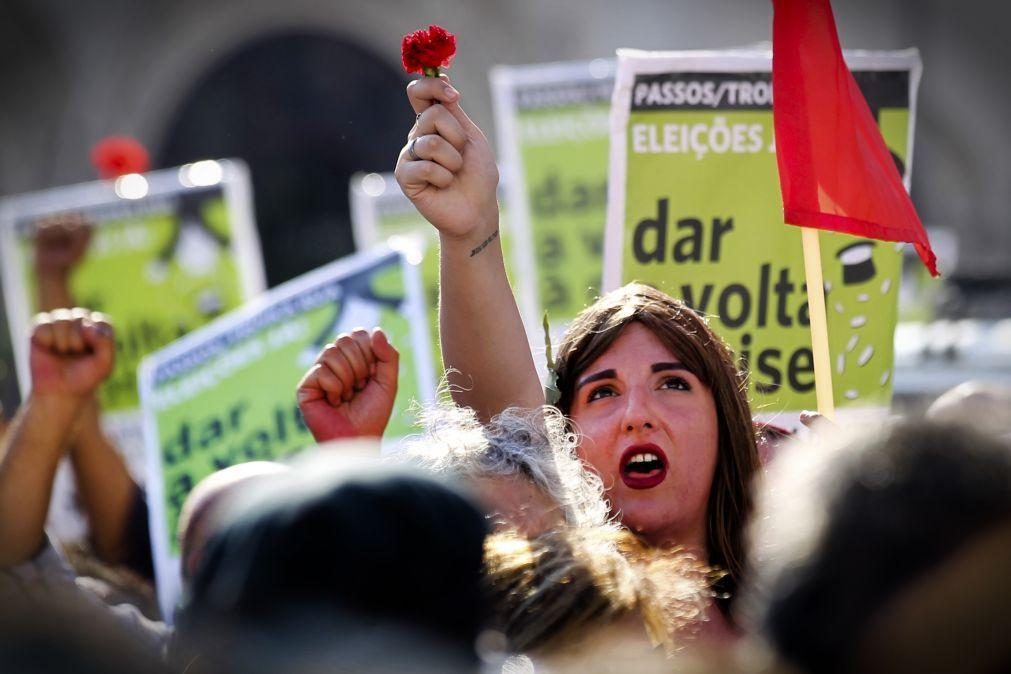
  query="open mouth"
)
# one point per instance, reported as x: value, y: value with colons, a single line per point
x: 643, y: 466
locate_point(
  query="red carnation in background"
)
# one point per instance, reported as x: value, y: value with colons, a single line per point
x: 425, y: 51
x: 118, y: 155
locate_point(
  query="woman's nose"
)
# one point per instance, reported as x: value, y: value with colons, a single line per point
x: 637, y: 412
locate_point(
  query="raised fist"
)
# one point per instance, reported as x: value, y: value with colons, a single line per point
x: 60, y: 243
x: 72, y: 352
x: 349, y: 391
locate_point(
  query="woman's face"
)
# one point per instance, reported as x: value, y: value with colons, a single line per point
x: 648, y: 427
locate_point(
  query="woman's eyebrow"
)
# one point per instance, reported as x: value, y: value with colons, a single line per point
x: 596, y: 376
x: 662, y: 367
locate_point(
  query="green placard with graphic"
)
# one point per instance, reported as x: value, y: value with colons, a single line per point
x: 696, y: 210
x: 161, y: 258
x: 225, y: 394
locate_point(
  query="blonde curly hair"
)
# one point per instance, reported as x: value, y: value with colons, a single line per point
x: 547, y: 591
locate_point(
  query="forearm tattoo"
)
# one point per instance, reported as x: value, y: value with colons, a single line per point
x: 484, y: 244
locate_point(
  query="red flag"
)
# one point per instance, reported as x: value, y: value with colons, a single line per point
x: 835, y: 170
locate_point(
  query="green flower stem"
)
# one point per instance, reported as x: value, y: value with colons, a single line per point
x: 431, y: 72
x: 551, y: 392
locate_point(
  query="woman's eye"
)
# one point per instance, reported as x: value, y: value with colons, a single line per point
x: 600, y: 392
x: 676, y: 383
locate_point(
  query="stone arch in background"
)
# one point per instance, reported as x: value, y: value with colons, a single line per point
x: 34, y: 83
x: 305, y: 110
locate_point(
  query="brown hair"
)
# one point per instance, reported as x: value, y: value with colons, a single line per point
x: 689, y: 337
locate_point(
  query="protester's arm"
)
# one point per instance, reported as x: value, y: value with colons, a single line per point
x: 350, y: 389
x: 60, y: 244
x: 452, y: 182
x: 108, y: 492
x: 70, y: 355
x: 105, y: 486
x: 31, y: 453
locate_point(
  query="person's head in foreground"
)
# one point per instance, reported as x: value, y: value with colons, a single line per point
x: 985, y: 406
x: 554, y: 594
x: 663, y: 417
x: 200, y: 515
x: 340, y: 562
x: 522, y: 466
x: 849, y: 535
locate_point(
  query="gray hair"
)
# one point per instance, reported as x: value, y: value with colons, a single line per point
x: 534, y: 443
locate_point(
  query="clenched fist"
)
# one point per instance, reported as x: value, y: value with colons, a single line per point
x: 349, y: 391
x: 447, y: 169
x: 60, y: 243
x: 72, y: 352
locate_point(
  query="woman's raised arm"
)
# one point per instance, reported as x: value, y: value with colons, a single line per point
x: 448, y: 170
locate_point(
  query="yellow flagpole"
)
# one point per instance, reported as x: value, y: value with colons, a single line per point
x: 819, y: 323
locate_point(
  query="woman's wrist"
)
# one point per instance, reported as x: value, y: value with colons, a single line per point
x: 475, y: 242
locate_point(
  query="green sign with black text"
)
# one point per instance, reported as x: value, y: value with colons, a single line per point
x: 225, y: 394
x: 553, y: 130
x: 700, y: 216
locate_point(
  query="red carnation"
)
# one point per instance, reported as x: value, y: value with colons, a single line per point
x: 118, y: 155
x: 425, y: 51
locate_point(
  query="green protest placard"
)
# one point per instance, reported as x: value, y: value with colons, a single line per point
x: 553, y: 133
x: 163, y: 254
x: 225, y: 394
x: 695, y: 209
x: 382, y: 215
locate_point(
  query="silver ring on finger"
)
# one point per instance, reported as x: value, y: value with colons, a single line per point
x: 410, y: 149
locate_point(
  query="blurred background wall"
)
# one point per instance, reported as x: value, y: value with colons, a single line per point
x: 308, y: 92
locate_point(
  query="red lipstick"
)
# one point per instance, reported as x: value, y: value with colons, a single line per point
x: 643, y: 466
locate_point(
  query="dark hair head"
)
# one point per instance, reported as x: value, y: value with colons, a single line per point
x: 383, y: 546
x: 844, y: 528
x: 689, y: 337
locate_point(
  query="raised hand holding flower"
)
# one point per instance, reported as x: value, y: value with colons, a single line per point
x: 447, y: 168
x: 425, y: 51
